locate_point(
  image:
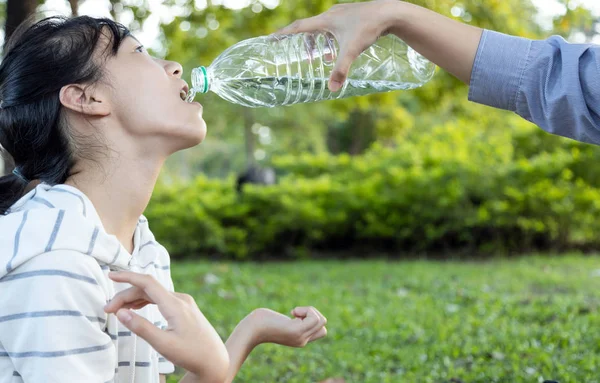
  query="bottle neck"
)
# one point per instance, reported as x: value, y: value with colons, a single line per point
x: 200, y: 80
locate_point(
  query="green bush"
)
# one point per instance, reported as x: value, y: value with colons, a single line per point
x: 501, y: 186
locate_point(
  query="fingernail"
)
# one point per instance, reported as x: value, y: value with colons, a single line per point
x: 124, y: 315
x: 335, y: 86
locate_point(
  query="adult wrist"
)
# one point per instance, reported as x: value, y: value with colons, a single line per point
x: 397, y: 16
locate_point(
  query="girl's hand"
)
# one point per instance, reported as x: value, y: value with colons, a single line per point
x: 189, y: 341
x: 355, y: 26
x: 269, y: 326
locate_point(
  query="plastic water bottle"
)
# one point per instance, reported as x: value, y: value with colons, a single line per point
x: 272, y: 70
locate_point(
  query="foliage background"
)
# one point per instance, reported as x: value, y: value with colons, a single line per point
x: 416, y: 171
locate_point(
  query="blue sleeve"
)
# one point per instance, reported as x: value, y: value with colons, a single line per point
x: 552, y: 83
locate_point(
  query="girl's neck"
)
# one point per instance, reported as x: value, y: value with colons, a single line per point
x: 120, y: 194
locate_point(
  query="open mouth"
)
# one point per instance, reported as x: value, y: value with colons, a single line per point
x: 187, y: 94
x: 183, y: 93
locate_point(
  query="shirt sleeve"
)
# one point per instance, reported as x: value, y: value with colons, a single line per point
x: 552, y: 83
x: 52, y: 320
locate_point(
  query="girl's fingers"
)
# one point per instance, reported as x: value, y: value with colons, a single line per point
x: 309, y: 318
x: 125, y: 297
x: 186, y: 298
x: 303, y: 312
x: 136, y: 305
x: 320, y: 323
x: 300, y: 312
x: 155, y: 292
x: 156, y: 337
x: 321, y: 316
x: 321, y: 333
x: 313, y: 323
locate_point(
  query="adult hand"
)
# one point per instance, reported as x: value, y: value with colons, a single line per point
x: 189, y: 341
x: 355, y: 26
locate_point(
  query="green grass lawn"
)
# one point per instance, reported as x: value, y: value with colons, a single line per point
x: 521, y: 320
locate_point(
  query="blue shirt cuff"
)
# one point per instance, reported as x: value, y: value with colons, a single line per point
x: 498, y: 70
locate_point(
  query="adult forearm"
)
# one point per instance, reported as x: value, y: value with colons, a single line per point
x: 448, y: 43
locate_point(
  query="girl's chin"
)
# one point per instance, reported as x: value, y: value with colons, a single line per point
x: 198, y: 136
x: 188, y: 137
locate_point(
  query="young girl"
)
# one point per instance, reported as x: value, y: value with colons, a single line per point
x: 89, y: 115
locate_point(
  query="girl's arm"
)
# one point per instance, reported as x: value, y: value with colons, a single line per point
x: 267, y: 326
x: 191, y: 341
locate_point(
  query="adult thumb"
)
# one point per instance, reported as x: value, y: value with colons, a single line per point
x: 142, y: 327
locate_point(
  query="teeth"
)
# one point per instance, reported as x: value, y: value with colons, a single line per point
x: 183, y: 95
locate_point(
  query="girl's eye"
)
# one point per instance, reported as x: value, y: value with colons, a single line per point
x: 140, y: 49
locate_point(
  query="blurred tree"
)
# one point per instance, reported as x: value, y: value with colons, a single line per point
x: 137, y: 11
x: 74, y: 7
x: 578, y: 24
x: 17, y: 11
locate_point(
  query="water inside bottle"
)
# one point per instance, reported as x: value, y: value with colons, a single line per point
x: 274, y: 91
x: 314, y: 84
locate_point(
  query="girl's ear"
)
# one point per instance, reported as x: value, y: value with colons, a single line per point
x: 84, y: 100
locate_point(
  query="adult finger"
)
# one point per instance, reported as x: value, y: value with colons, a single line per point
x: 310, y: 24
x: 342, y: 67
x: 153, y: 289
x: 156, y: 337
x: 125, y: 297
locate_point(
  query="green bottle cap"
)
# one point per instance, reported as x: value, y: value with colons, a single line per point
x: 200, y: 81
x: 205, y: 79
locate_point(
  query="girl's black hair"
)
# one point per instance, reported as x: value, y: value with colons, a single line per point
x: 40, y: 59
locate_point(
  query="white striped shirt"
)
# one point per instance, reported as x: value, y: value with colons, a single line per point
x: 54, y: 261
